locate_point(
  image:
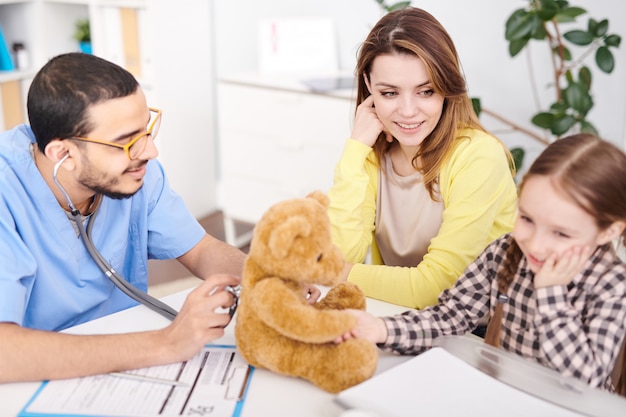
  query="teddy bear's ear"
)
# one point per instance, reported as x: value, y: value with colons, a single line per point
x: 283, y: 235
x: 320, y: 197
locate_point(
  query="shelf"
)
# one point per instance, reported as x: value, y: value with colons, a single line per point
x: 137, y: 4
x: 130, y: 33
x: 16, y: 75
x: 79, y: 2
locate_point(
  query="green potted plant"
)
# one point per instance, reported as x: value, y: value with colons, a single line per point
x: 82, y: 34
x: 543, y: 20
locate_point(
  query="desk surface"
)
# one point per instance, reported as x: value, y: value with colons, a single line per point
x: 269, y: 393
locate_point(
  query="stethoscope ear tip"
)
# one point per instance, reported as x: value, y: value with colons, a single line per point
x: 58, y: 184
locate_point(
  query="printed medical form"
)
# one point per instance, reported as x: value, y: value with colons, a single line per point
x: 211, y: 383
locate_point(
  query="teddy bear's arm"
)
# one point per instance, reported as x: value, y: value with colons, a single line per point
x: 287, y: 312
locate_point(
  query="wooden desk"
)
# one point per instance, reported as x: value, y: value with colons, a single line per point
x: 269, y: 394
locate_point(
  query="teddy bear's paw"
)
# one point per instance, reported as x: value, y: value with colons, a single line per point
x: 342, y: 296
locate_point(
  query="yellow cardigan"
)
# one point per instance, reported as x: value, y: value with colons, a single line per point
x: 479, y: 197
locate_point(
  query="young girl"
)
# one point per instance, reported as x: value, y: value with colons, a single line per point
x: 555, y: 288
x: 420, y: 182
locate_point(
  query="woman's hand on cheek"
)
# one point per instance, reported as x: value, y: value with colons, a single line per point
x: 367, y: 125
x: 561, y: 270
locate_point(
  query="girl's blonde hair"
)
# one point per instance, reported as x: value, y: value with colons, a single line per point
x: 590, y: 171
x: 415, y: 32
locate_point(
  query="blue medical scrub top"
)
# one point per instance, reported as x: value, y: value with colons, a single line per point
x: 48, y: 280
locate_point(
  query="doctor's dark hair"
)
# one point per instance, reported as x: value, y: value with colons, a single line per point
x: 64, y: 89
x: 415, y: 32
x: 590, y: 172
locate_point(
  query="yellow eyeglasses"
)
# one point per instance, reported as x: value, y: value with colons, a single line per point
x: 136, y: 145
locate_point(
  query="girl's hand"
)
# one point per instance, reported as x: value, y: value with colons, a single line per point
x: 561, y: 271
x: 368, y: 327
x: 367, y: 125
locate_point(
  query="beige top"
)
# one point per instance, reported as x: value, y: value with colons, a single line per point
x: 406, y: 217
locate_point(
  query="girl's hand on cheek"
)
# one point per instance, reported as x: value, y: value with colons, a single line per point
x: 367, y: 125
x: 562, y: 270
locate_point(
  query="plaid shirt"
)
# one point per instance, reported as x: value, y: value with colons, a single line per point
x: 576, y: 329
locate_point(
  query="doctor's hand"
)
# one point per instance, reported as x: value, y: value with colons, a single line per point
x: 201, y: 319
x: 368, y: 327
x: 367, y: 125
x: 311, y: 293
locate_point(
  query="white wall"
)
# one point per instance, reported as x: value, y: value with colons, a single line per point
x: 236, y: 29
x: 477, y: 27
x: 184, y: 90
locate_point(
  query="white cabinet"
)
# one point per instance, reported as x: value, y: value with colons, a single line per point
x: 277, y: 141
x: 166, y: 44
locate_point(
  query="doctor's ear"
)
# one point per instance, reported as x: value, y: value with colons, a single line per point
x: 58, y: 149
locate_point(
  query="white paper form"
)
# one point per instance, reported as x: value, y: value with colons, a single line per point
x: 437, y: 383
x: 217, y: 378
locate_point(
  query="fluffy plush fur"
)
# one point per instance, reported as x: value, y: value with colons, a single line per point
x: 277, y: 328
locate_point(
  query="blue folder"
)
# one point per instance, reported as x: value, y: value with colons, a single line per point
x: 6, y: 63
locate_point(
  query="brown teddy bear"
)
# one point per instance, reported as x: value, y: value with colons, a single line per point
x: 277, y: 328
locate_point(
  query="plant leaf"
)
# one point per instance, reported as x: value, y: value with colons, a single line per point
x: 592, y: 25
x: 601, y: 29
x: 605, y: 60
x: 582, y: 100
x: 578, y: 37
x: 560, y: 18
x: 519, y: 25
x: 613, y: 40
x: 586, y: 127
x: 539, y: 32
x: 398, y: 6
x: 516, y: 46
x: 518, y: 157
x: 562, y: 4
x: 477, y: 106
x: 543, y: 120
x: 569, y: 14
x: 567, y: 55
x: 562, y: 124
x: 547, y: 9
x: 584, y: 75
x: 559, y: 107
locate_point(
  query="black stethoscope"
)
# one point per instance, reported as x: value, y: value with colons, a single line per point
x: 127, y: 288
